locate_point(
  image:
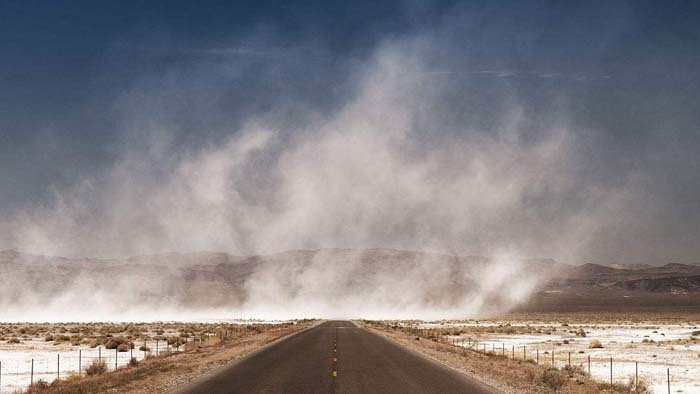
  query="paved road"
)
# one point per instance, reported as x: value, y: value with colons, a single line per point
x: 335, y: 357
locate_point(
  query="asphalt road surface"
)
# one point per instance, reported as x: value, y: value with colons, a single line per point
x: 335, y: 357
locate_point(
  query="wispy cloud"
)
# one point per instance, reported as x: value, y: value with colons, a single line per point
x: 516, y: 74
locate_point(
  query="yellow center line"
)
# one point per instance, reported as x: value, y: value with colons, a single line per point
x: 335, y: 359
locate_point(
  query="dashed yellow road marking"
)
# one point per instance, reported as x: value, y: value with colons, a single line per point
x: 335, y: 359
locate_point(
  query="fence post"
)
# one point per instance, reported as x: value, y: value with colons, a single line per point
x: 31, y: 375
x: 513, y: 352
x: 611, y: 380
x: 99, y: 354
x: 635, y: 375
x: 116, y: 357
x: 80, y: 361
x: 524, y: 355
x: 589, y: 364
x: 538, y: 356
x: 668, y: 379
x: 569, y: 364
x: 144, y: 348
x: 58, y: 366
x: 552, y: 358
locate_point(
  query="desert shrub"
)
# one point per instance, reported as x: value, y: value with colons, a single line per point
x: 695, y: 333
x: 581, y: 333
x: 48, y: 338
x: 124, y: 347
x: 144, y: 348
x: 98, y: 367
x: 133, y: 362
x: 39, y: 386
x: 552, y: 378
x: 641, y: 388
x: 115, y: 342
x: 175, y: 341
x: 574, y: 369
x: 595, y: 344
x: 13, y: 341
x: 566, y: 342
x: 509, y: 330
x: 61, y: 338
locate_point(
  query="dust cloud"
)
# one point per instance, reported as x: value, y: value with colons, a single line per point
x: 385, y: 167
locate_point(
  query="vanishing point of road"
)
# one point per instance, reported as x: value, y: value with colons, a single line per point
x: 335, y: 357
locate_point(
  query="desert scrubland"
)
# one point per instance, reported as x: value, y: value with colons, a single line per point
x: 124, y: 357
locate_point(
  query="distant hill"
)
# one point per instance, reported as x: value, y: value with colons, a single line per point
x: 594, y: 287
x: 684, y: 284
x: 621, y: 266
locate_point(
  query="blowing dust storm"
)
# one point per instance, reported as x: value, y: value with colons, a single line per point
x: 327, y: 207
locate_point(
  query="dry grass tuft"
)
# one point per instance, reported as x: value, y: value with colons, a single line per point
x: 98, y: 367
x: 552, y: 378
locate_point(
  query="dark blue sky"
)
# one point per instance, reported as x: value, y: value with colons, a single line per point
x: 64, y: 64
x: 69, y: 71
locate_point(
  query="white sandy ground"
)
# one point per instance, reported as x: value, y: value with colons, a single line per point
x: 622, y: 342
